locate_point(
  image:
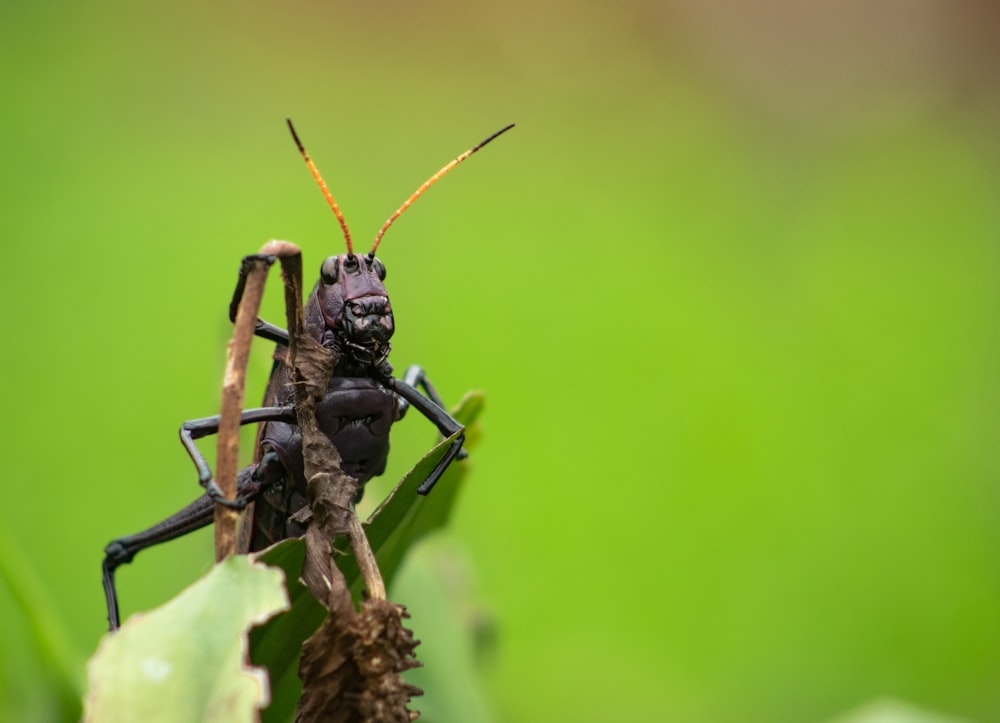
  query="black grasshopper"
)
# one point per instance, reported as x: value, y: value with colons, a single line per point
x: 349, y: 312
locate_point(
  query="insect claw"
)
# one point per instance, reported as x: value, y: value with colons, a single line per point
x: 217, y: 496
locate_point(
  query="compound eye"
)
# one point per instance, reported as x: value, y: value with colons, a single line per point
x: 378, y: 267
x: 330, y: 271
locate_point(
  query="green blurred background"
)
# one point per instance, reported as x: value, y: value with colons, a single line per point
x: 731, y: 288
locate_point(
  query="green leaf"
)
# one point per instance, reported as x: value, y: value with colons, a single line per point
x: 185, y: 660
x: 46, y: 634
x: 277, y: 645
x: 889, y: 710
x: 404, y: 516
x: 436, y: 584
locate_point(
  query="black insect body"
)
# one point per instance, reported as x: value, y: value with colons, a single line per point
x: 348, y: 312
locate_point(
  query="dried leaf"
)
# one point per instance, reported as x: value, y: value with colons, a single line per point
x: 351, y: 668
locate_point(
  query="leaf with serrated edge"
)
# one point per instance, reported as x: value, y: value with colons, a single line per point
x: 185, y: 661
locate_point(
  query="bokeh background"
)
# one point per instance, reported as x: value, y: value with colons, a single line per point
x: 731, y: 288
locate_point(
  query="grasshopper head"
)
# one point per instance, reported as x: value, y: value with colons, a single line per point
x: 355, y: 305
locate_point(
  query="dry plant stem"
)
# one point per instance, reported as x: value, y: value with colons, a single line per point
x: 311, y: 367
x: 227, y: 458
x: 330, y: 488
x: 366, y: 559
x: 350, y: 668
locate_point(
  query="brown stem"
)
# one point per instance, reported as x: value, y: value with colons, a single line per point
x: 234, y: 384
x: 331, y: 491
x: 366, y: 559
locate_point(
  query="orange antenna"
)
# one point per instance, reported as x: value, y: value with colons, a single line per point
x: 430, y: 182
x: 322, y: 187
